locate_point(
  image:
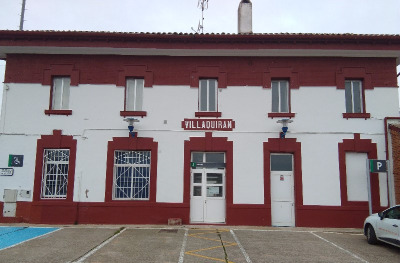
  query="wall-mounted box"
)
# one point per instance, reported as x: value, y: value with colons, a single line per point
x: 10, y: 196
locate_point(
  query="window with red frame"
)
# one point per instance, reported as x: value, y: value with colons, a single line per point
x: 208, y: 95
x: 354, y: 96
x: 60, y: 93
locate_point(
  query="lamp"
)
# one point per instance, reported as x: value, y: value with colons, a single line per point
x: 130, y: 121
x: 285, y: 127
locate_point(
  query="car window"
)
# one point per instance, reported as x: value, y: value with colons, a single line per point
x: 393, y: 213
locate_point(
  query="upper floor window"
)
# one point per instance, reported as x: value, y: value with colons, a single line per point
x: 280, y: 96
x: 208, y: 95
x: 134, y: 94
x: 354, y: 96
x: 60, y: 93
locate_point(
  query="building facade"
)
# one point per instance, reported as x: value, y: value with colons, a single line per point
x: 205, y: 142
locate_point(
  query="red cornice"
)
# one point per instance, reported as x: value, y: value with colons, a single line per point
x: 189, y: 41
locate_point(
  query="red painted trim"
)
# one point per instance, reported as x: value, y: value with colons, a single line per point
x: 208, y: 72
x: 357, y: 115
x: 358, y: 145
x: 239, y: 70
x: 58, y: 112
x: 332, y: 216
x: 287, y: 145
x: 54, y: 141
x: 133, y: 113
x: 60, y: 70
x: 281, y: 74
x: 135, y: 71
x: 210, y: 144
x: 131, y: 144
x: 207, y: 114
x: 354, y: 74
x: 281, y: 115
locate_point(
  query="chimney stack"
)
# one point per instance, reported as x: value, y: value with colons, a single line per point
x: 245, y: 17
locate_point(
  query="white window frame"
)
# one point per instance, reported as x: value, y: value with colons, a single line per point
x: 136, y: 170
x: 60, y: 93
x: 354, y: 101
x: 58, y: 171
x: 208, y: 105
x: 134, y: 94
x: 279, y: 105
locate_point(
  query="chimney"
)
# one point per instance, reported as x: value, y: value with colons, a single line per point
x: 245, y: 17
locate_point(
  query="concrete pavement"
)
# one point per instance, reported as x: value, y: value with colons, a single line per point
x: 199, y: 244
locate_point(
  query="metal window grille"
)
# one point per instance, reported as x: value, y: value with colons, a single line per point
x: 55, y: 173
x: 131, y: 175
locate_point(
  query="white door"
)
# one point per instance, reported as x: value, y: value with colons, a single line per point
x: 207, y: 203
x: 282, y: 190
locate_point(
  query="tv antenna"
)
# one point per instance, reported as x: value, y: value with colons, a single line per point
x: 203, y: 5
x: 21, y: 22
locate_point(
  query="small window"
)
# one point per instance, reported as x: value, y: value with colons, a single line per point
x: 281, y: 162
x: 60, y: 93
x: 208, y: 95
x: 280, y: 96
x: 354, y: 96
x: 55, y: 173
x: 134, y: 94
x: 131, y: 175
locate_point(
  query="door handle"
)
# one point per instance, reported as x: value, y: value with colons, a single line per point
x: 395, y: 225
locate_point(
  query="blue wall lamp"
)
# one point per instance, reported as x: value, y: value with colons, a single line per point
x: 285, y: 123
x: 130, y: 121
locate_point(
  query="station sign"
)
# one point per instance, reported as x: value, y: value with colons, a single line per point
x: 208, y: 124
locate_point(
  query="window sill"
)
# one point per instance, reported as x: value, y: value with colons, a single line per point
x: 356, y: 115
x: 58, y: 112
x: 133, y: 113
x: 207, y: 114
x: 281, y: 115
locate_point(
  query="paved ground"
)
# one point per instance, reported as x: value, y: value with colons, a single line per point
x: 198, y: 244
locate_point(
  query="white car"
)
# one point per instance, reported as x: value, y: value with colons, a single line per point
x: 384, y: 226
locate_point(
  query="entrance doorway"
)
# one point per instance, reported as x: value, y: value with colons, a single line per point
x: 207, y: 193
x: 282, y: 190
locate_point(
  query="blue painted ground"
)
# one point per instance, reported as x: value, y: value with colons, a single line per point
x: 10, y: 236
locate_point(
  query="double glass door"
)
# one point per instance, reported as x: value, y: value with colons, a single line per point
x: 207, y: 203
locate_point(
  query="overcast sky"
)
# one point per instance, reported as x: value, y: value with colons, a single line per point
x: 269, y: 16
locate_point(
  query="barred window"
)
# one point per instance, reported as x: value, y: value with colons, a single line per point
x: 131, y: 175
x: 55, y: 173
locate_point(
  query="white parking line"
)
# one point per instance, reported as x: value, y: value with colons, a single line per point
x: 91, y: 252
x: 182, y: 254
x: 339, y: 247
x: 246, y: 256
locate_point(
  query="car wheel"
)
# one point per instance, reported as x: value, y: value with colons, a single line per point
x: 371, y: 236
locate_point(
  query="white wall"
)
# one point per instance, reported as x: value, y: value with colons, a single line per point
x: 95, y: 120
